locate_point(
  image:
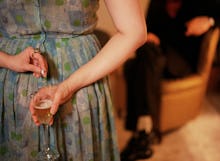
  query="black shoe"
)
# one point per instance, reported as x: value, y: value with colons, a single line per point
x: 138, y: 147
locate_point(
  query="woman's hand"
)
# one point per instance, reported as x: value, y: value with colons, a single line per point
x: 29, y: 60
x: 59, y: 94
x: 199, y: 25
x: 43, y: 93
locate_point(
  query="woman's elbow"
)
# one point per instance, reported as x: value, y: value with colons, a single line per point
x: 140, y: 35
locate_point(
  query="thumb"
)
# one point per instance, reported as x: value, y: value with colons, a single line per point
x: 54, y: 106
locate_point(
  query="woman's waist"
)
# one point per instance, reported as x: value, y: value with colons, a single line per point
x: 47, y: 34
x: 48, y: 41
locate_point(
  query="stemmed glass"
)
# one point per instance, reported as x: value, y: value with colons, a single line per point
x: 42, y: 105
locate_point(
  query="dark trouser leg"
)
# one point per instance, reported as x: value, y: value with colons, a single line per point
x: 155, y: 63
x: 142, y: 76
x: 132, y: 114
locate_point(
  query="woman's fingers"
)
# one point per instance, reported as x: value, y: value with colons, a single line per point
x: 32, y: 110
x: 55, y: 105
x: 39, y: 60
x: 42, y: 94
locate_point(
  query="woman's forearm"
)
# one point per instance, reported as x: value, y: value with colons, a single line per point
x: 112, y: 55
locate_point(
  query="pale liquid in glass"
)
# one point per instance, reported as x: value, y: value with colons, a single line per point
x: 42, y: 110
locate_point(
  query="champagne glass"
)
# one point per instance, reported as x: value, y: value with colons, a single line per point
x: 42, y: 111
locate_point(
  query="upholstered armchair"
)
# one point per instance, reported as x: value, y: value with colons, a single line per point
x: 182, y: 98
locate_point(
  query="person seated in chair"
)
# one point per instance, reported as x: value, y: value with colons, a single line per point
x: 175, y: 31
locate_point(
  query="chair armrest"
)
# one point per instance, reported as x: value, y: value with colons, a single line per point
x: 170, y: 86
x: 207, y: 50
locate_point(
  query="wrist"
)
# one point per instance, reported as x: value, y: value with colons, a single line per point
x: 11, y: 62
x: 72, y: 83
x: 6, y: 60
x: 66, y: 85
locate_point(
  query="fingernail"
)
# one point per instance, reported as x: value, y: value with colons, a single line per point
x: 42, y: 72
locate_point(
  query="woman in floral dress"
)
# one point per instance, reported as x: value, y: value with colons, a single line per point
x: 62, y: 30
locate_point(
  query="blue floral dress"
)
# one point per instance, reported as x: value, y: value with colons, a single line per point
x: 62, y: 29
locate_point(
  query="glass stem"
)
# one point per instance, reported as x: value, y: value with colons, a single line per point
x: 46, y: 137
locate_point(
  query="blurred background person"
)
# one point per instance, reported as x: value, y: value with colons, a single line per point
x: 175, y: 31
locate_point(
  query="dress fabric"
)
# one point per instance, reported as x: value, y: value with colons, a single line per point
x: 62, y: 29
